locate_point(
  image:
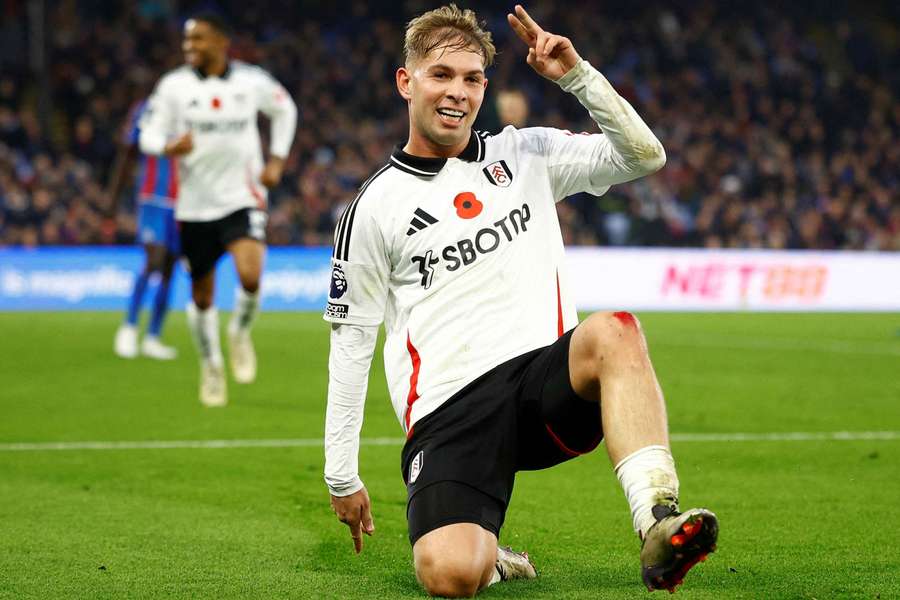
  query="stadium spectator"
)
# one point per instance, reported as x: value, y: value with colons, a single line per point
x: 777, y: 110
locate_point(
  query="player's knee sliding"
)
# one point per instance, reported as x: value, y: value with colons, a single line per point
x: 451, y: 584
x: 449, y: 577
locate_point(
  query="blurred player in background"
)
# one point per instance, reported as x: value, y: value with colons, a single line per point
x: 205, y: 114
x: 512, y: 108
x: 157, y: 190
x: 456, y: 246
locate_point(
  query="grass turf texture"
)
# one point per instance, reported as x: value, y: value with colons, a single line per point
x: 799, y: 519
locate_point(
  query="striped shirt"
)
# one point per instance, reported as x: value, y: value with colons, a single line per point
x: 157, y: 181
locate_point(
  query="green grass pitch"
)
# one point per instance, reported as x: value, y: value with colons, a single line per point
x: 799, y: 518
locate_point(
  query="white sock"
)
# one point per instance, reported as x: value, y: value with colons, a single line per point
x: 495, y: 577
x: 648, y: 478
x: 204, y: 326
x: 246, y: 306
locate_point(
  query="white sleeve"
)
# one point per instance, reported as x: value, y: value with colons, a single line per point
x: 626, y: 150
x: 360, y: 267
x: 349, y: 360
x: 157, y: 123
x: 276, y: 103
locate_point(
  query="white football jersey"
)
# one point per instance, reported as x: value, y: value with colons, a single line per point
x: 221, y: 174
x: 462, y: 258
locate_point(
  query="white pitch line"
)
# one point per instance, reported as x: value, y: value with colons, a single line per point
x: 788, y: 436
x: 874, y: 348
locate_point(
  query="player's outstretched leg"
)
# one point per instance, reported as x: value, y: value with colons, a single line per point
x: 609, y: 353
x: 204, y: 326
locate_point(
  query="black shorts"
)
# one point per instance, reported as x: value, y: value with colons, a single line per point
x: 522, y: 415
x: 204, y: 242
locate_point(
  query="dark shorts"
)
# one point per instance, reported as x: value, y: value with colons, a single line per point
x: 204, y: 242
x: 522, y: 415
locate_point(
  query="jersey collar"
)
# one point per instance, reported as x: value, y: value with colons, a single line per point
x: 201, y: 75
x: 429, y: 167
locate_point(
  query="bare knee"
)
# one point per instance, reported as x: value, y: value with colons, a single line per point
x: 203, y: 289
x: 250, y: 284
x: 202, y: 296
x: 202, y: 302
x: 605, y: 333
x: 449, y: 577
x: 249, y: 276
x: 602, y: 344
x: 248, y: 255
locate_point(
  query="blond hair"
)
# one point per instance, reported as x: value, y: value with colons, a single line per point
x: 450, y: 28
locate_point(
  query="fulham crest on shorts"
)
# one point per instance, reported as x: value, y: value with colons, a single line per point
x: 415, y: 467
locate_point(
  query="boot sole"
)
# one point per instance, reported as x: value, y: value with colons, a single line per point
x: 695, y: 540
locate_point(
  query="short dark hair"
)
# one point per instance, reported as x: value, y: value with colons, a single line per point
x: 214, y: 20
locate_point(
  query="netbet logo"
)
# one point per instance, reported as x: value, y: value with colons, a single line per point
x: 466, y: 251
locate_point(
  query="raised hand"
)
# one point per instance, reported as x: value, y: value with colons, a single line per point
x: 549, y: 54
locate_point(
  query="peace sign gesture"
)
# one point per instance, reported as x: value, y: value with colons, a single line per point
x: 550, y: 55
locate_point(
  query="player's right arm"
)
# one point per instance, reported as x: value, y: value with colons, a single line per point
x: 356, y: 304
x: 349, y: 360
x: 158, y: 124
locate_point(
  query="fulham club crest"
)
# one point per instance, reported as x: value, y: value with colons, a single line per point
x: 498, y: 173
x: 416, y: 467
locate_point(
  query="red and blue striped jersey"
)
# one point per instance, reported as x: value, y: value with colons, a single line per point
x: 157, y: 181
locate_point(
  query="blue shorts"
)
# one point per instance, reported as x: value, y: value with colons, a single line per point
x: 156, y: 225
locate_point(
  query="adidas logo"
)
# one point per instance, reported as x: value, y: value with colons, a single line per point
x: 420, y: 222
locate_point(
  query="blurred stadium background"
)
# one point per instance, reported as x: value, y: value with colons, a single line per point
x: 780, y: 124
x: 781, y: 193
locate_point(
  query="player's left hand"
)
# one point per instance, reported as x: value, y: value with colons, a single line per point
x: 271, y: 174
x: 549, y: 54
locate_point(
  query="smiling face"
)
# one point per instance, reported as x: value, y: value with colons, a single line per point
x: 203, y: 46
x: 444, y: 91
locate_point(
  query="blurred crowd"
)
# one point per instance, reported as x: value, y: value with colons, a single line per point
x: 781, y: 124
